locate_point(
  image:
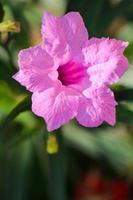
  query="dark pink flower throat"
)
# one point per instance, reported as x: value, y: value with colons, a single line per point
x: 71, y: 73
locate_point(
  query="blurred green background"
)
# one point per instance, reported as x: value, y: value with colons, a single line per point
x: 88, y: 159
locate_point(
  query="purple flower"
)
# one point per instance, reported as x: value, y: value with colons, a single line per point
x: 69, y: 74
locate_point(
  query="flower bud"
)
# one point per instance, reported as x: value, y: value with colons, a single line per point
x: 52, y: 144
x: 10, y: 26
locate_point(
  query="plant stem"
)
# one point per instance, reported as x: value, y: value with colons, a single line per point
x: 56, y: 177
x: 21, y: 107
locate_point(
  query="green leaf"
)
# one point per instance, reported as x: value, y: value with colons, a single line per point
x: 109, y: 143
x: 7, y: 100
x: 53, y: 165
x: 117, y: 148
x: 81, y: 139
x: 15, y: 168
x: 57, y: 170
x: 129, y: 52
x: 124, y: 114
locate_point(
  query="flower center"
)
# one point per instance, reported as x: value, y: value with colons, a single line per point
x: 71, y: 73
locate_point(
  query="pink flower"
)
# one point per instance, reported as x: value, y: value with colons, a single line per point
x: 69, y: 74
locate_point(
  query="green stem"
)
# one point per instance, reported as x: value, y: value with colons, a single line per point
x: 57, y: 183
x: 21, y: 107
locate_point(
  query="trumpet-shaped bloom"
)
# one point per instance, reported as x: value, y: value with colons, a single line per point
x: 69, y: 73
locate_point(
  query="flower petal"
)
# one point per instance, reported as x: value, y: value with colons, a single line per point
x: 97, y: 106
x: 63, y: 36
x: 56, y: 106
x: 35, y: 58
x: 105, y: 60
x: 37, y: 82
x: 76, y: 30
x: 37, y: 71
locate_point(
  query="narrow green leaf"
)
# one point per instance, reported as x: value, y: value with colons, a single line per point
x: 16, y: 169
x: 57, y: 171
